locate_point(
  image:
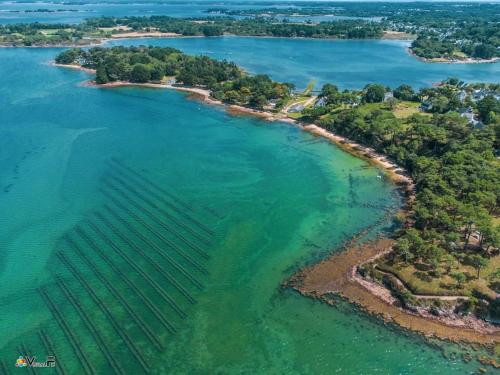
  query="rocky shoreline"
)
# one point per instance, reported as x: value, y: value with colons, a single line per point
x: 338, y: 275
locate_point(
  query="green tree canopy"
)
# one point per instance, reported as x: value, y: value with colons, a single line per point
x: 374, y: 93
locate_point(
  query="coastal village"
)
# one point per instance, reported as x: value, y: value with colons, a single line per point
x: 465, y: 95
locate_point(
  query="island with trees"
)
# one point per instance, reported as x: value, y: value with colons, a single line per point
x: 451, y: 31
x: 96, y: 30
x: 454, y: 32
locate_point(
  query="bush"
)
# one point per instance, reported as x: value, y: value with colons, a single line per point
x: 481, y: 309
x: 494, y: 309
x: 403, y: 295
x: 495, y: 285
x: 466, y: 306
x: 67, y: 57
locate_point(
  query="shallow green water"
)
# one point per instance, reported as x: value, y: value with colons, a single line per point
x: 155, y: 165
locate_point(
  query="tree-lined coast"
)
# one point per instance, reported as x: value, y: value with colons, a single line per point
x: 444, y: 31
x: 448, y: 239
x: 436, y: 38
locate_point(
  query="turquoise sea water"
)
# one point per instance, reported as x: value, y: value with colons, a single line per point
x: 346, y: 63
x: 140, y: 229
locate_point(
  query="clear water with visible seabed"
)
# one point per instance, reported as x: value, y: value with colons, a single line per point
x: 141, y: 230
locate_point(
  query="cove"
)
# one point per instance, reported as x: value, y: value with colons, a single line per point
x: 346, y: 63
x: 273, y: 197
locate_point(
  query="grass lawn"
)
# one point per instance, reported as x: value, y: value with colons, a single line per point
x: 115, y: 28
x: 53, y: 31
x: 445, y: 284
x: 300, y: 99
x: 406, y: 109
x: 367, y: 108
x: 296, y: 99
x: 295, y: 115
x: 403, y: 109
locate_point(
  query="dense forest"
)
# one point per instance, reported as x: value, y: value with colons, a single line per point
x: 422, y: 12
x: 226, y: 81
x: 96, y: 29
x: 349, y: 29
x: 453, y: 223
x: 477, y: 40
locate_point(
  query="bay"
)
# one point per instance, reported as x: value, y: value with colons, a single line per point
x: 346, y: 63
x: 266, y: 197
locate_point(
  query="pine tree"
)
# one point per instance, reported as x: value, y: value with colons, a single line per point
x: 101, y: 76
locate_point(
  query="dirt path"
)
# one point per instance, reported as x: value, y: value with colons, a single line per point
x: 423, y: 296
x: 306, y: 103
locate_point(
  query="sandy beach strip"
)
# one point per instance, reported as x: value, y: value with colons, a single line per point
x: 392, y: 170
x: 150, y: 34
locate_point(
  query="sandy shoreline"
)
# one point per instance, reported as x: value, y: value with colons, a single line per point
x: 150, y: 34
x: 396, y: 173
x: 392, y: 170
x: 102, y: 41
x: 75, y: 67
x: 197, y: 92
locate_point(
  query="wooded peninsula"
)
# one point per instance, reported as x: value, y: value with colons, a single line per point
x: 447, y: 139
